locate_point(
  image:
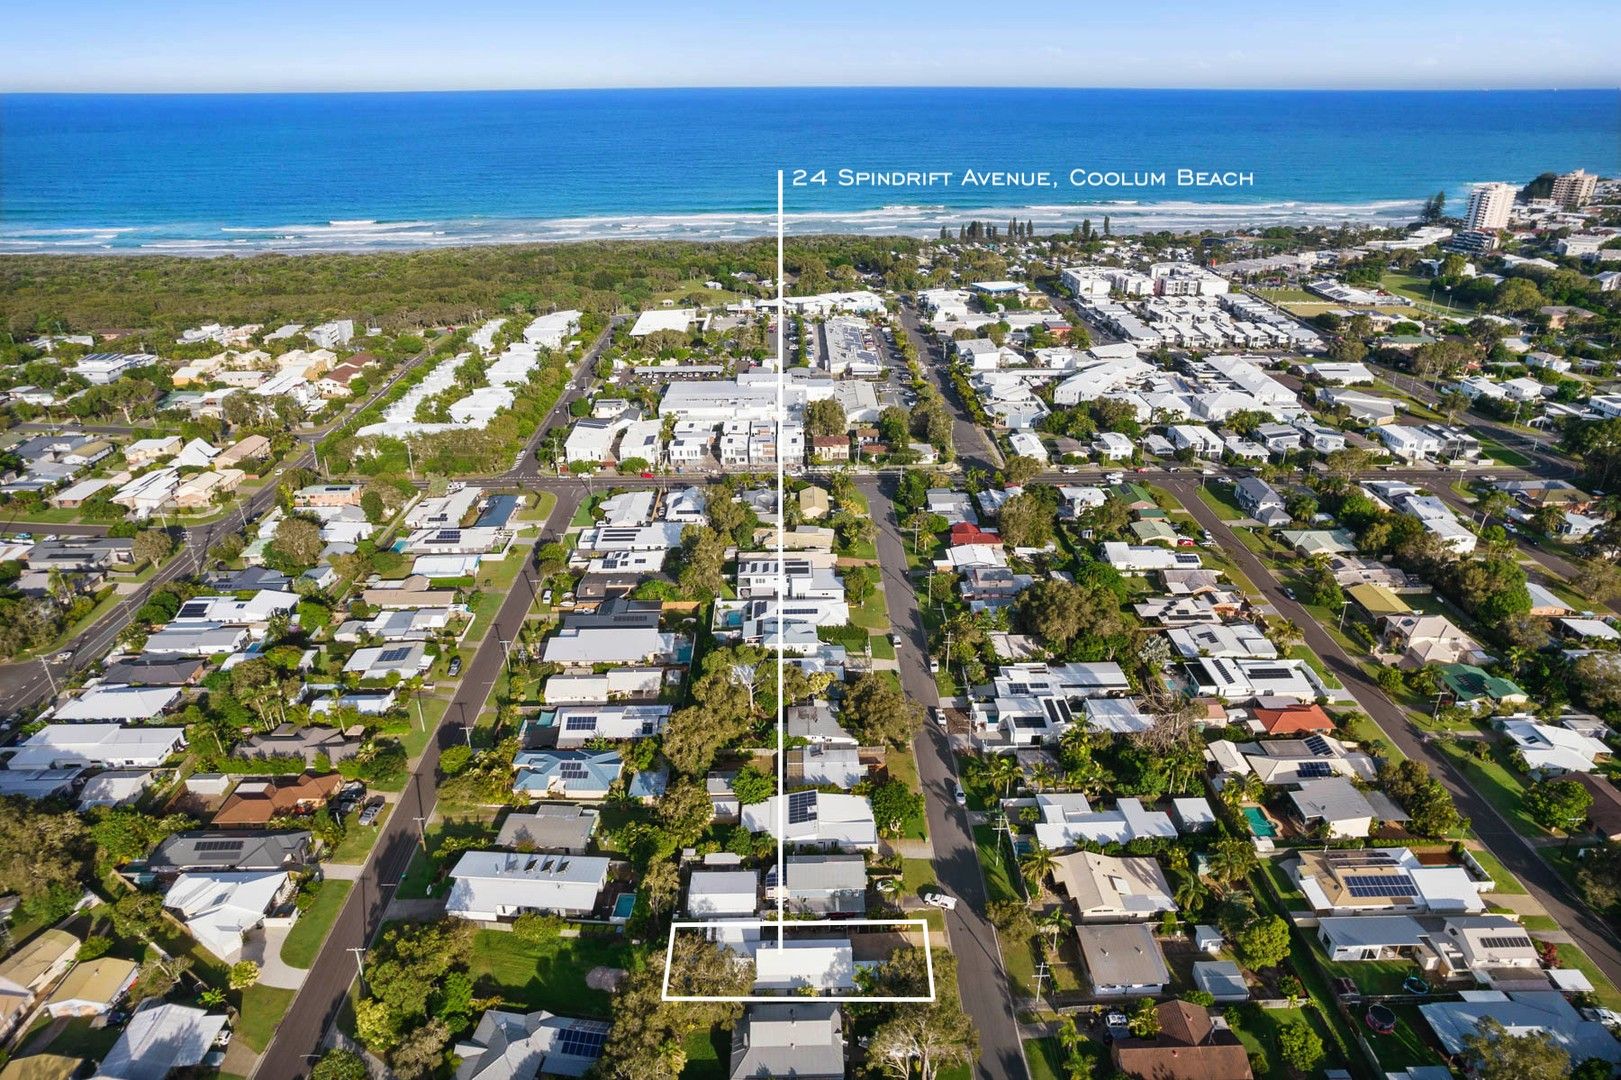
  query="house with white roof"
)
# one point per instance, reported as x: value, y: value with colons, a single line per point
x: 807, y: 963
x: 109, y: 746
x: 1550, y: 749
x: 817, y: 819
x: 119, y: 703
x: 1068, y: 819
x: 498, y: 886
x: 160, y: 1039
x: 723, y: 894
x: 221, y: 907
x: 1239, y: 639
x: 1382, y: 881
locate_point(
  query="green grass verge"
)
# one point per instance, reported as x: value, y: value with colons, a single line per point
x: 262, y: 1010
x: 304, y: 939
x: 1571, y: 956
x: 1507, y: 883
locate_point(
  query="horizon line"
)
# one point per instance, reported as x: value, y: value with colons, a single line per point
x: 267, y: 91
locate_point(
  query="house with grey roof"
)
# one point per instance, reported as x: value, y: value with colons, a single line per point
x: 1524, y: 1013
x: 1123, y: 959
x: 816, y: 723
x: 240, y: 849
x: 801, y: 1039
x: 823, y: 884
x: 309, y: 743
x: 1334, y: 803
x: 1221, y: 979
x: 155, y: 671
x: 552, y: 827
x: 1368, y: 937
x: 1261, y: 501
x: 522, y: 1046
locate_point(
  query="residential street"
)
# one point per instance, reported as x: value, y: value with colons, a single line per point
x: 299, y: 1038
x: 1514, y: 851
x: 985, y: 992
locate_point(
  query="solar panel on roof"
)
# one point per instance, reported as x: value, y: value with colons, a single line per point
x: 801, y: 807
x: 1372, y: 885
x: 393, y: 656
x: 218, y: 845
x: 580, y: 723
x: 1318, y: 745
x: 1315, y: 769
x: 572, y: 770
x: 1508, y: 941
x: 582, y: 1041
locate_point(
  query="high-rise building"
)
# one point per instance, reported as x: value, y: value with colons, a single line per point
x: 1573, y: 190
x: 1489, y: 205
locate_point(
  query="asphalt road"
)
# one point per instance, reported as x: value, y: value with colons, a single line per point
x: 299, y: 1037
x: 1515, y: 852
x: 975, y: 447
x: 980, y: 975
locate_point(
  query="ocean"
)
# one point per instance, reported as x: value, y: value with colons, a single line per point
x: 244, y: 173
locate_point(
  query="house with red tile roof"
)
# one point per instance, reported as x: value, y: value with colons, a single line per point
x: 1296, y: 719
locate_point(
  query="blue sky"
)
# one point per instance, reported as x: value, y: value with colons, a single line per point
x: 224, y: 45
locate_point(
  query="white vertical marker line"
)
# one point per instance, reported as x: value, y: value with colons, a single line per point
x: 782, y: 595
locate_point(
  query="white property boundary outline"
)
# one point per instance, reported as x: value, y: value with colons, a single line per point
x: 789, y: 997
x: 782, y: 922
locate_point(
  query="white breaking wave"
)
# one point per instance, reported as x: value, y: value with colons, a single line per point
x: 1126, y: 216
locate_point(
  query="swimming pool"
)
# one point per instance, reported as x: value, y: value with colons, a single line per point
x: 624, y: 904
x: 1259, y: 825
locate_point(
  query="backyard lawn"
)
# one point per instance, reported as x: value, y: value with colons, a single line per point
x: 304, y: 939
x: 709, y: 1053
x: 547, y: 974
x: 1258, y: 1028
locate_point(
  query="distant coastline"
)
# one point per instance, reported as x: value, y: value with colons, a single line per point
x: 362, y: 235
x: 251, y: 173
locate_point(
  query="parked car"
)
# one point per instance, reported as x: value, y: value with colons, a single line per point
x: 958, y: 795
x: 455, y: 667
x: 940, y: 900
x: 895, y: 640
x: 368, y: 815
x: 939, y: 716
x: 1287, y: 592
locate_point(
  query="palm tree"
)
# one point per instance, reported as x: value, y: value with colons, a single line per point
x: 1191, y: 893
x: 1036, y: 864
x: 1002, y: 771
x: 1057, y: 923
x: 1043, y: 777
x: 1285, y: 635
x: 1231, y: 860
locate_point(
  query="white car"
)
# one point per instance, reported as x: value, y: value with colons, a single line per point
x: 940, y: 900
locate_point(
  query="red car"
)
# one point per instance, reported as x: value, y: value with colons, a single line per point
x: 647, y: 476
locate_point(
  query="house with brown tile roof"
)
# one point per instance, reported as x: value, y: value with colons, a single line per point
x: 258, y: 800
x: 1295, y: 720
x: 1189, y: 1046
